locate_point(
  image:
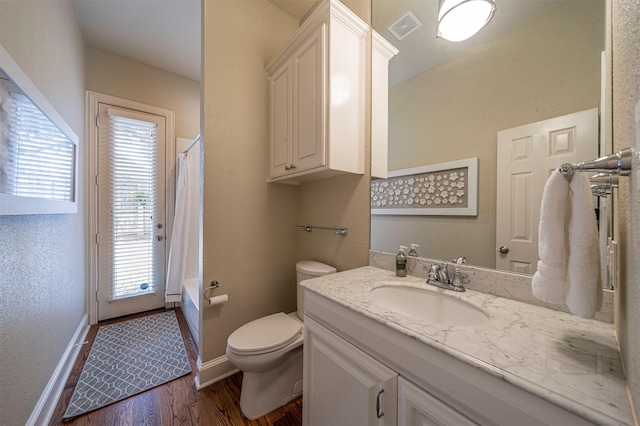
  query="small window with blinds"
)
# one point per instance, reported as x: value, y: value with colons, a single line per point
x: 133, y: 199
x: 37, y: 160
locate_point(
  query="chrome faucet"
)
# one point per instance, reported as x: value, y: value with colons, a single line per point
x: 439, y: 277
x: 443, y: 274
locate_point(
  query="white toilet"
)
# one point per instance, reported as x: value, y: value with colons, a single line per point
x: 269, y: 352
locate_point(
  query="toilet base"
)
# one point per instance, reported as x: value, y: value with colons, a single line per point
x: 263, y: 392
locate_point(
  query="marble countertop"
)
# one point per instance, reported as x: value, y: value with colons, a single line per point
x: 569, y: 361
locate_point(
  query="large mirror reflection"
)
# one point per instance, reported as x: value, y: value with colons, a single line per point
x: 536, y: 60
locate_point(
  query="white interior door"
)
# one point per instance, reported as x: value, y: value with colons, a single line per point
x: 526, y: 157
x: 131, y: 211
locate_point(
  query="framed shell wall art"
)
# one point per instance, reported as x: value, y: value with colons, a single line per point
x: 443, y: 189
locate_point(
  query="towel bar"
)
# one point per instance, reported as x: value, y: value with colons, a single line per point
x: 338, y: 231
x: 618, y: 163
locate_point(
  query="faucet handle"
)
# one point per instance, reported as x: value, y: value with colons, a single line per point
x: 434, y: 268
x: 459, y: 276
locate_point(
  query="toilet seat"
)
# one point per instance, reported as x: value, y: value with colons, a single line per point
x: 265, y: 335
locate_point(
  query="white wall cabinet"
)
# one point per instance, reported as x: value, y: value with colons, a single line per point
x: 343, y: 385
x: 316, y: 97
x: 381, y: 53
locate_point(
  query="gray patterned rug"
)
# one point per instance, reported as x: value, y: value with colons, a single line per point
x: 127, y: 358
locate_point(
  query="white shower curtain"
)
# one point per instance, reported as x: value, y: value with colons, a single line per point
x: 183, y: 253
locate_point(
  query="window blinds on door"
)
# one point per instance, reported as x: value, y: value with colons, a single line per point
x: 133, y: 199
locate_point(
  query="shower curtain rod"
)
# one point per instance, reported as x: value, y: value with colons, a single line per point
x: 191, y: 145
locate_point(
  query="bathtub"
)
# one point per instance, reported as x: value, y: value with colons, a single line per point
x: 191, y: 305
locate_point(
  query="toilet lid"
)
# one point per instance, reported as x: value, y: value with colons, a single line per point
x: 265, y: 334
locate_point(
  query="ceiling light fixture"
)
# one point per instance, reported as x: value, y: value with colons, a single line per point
x: 460, y: 19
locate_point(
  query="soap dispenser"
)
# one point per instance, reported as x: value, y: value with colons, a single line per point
x: 401, y: 262
x: 412, y: 250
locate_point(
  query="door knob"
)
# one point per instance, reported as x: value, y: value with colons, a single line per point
x: 503, y: 249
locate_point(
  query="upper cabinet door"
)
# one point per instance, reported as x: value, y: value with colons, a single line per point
x: 321, y: 130
x: 309, y: 80
x: 280, y: 125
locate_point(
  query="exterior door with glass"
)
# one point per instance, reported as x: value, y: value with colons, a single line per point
x: 131, y: 211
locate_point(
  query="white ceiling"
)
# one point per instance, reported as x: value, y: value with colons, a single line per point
x: 161, y: 33
x: 166, y: 33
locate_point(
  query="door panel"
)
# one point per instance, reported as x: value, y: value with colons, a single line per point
x: 526, y: 157
x: 418, y: 407
x: 310, y: 87
x: 131, y: 212
x: 280, y: 112
x: 343, y: 385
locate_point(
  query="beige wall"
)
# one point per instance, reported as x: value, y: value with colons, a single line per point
x: 249, y: 233
x: 250, y: 241
x: 454, y: 111
x: 42, y: 272
x: 626, y: 94
x: 126, y: 78
x: 339, y: 201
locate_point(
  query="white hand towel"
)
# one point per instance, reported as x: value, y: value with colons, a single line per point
x: 584, y: 291
x: 550, y: 279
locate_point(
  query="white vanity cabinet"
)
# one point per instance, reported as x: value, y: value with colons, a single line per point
x: 343, y: 385
x: 422, y: 386
x: 418, y: 407
x: 317, y: 98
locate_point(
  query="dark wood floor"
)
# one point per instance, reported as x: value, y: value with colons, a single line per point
x: 174, y: 403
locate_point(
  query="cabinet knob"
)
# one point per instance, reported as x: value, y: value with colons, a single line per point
x: 293, y: 167
x: 287, y: 168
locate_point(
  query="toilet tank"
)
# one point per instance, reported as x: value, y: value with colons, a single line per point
x: 307, y: 269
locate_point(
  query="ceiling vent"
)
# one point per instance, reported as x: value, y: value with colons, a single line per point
x: 405, y: 26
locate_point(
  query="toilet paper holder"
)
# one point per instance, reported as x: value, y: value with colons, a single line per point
x: 214, y: 284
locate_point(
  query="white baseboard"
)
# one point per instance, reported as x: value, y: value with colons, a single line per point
x: 46, y: 405
x: 213, y: 371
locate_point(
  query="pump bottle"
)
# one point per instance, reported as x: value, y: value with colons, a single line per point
x: 401, y: 263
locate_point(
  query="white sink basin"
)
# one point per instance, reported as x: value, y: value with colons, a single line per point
x: 426, y: 305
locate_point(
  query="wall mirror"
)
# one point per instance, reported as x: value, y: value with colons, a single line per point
x: 38, y: 150
x: 536, y: 60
